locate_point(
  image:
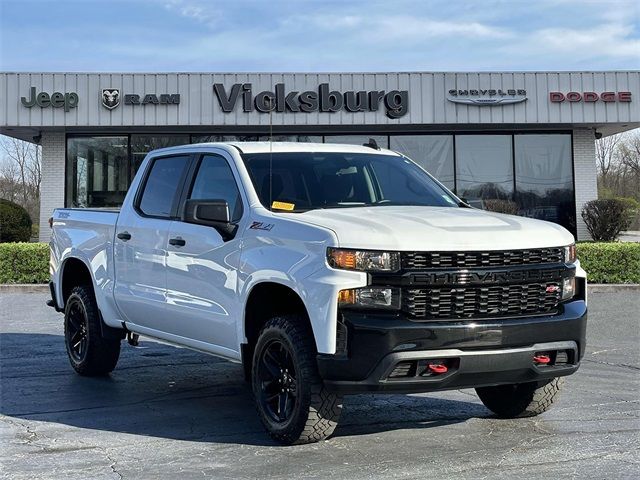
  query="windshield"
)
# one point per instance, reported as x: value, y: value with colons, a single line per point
x: 306, y: 181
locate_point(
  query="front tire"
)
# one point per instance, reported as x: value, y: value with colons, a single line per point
x: 522, y: 399
x: 89, y: 353
x: 291, y: 399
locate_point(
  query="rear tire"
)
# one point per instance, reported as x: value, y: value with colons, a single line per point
x: 522, y: 399
x: 89, y: 353
x: 291, y: 399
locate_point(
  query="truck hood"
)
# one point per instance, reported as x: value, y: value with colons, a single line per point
x: 435, y: 228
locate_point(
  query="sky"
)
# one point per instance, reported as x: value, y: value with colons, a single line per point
x: 312, y: 35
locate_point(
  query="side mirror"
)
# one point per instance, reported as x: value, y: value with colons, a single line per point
x: 212, y: 213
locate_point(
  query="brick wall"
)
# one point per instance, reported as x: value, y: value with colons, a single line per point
x: 52, y: 185
x: 584, y: 170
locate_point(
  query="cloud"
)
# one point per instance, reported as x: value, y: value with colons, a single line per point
x: 387, y: 28
x: 327, y: 35
x: 612, y: 39
x: 193, y: 11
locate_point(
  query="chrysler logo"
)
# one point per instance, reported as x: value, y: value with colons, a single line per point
x: 487, y: 96
x: 110, y: 98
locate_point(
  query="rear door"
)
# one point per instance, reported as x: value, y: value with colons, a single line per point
x: 141, y: 243
x: 202, y: 266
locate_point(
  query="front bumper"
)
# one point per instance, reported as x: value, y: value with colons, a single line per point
x: 480, y: 353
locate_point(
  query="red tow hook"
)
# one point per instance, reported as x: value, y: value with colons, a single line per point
x: 541, y: 359
x: 438, y: 368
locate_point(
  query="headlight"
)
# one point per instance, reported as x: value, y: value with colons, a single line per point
x: 363, y: 260
x: 570, y: 253
x: 370, y: 297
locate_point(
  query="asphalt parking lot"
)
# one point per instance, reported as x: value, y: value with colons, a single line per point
x: 168, y: 412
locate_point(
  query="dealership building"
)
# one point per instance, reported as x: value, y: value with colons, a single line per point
x: 510, y: 141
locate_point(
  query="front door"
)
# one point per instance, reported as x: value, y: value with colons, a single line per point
x: 202, y: 266
x: 141, y: 244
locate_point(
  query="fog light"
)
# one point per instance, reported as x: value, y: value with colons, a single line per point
x: 568, y: 288
x: 370, y: 297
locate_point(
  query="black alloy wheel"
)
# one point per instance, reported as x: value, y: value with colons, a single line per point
x: 90, y: 353
x: 292, y: 401
x: 278, y: 384
x: 77, y: 330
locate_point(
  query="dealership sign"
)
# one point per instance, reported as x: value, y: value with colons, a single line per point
x: 55, y: 100
x: 489, y: 96
x: 394, y: 102
x: 111, y: 98
x: 559, y: 97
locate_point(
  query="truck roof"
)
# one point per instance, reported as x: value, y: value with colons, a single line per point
x: 280, y: 147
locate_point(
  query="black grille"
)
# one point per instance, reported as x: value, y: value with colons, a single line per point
x: 479, y: 302
x: 491, y: 258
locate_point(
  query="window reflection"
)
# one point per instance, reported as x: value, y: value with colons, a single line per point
x: 434, y: 153
x: 484, y: 168
x: 381, y: 140
x: 99, y: 175
x: 143, y: 144
x: 223, y: 138
x: 544, y: 178
x: 293, y: 138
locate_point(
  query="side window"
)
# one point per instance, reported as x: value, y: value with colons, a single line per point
x: 214, y: 181
x: 161, y: 185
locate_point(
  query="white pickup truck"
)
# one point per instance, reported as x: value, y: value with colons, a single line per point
x: 326, y: 270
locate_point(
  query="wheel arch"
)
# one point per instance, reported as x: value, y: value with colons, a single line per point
x: 73, y: 272
x: 265, y: 300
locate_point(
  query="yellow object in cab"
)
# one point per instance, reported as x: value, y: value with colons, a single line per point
x: 283, y: 206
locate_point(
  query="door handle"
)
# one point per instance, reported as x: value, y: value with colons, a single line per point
x: 177, y: 242
x: 124, y: 236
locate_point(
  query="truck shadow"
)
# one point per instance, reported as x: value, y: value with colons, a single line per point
x: 163, y: 391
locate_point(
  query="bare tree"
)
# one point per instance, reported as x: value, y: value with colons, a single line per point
x: 630, y: 153
x: 606, y: 156
x: 21, y: 174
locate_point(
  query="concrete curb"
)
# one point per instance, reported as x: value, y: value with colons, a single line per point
x: 44, y: 288
x: 613, y: 287
x: 24, y: 288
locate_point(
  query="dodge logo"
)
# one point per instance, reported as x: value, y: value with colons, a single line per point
x: 110, y: 98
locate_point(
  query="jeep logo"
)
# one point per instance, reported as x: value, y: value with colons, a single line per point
x: 55, y: 100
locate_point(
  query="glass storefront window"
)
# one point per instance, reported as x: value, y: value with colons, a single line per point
x: 434, y: 153
x: 97, y: 171
x: 544, y: 178
x: 293, y: 138
x: 484, y: 169
x: 381, y: 140
x: 143, y: 144
x: 223, y: 138
x: 100, y: 170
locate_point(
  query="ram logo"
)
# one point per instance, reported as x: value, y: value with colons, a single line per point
x: 110, y: 98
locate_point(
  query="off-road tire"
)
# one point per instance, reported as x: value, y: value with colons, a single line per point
x: 316, y: 411
x: 520, y: 400
x: 100, y: 355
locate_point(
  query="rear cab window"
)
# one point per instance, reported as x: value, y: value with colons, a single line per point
x: 162, y: 185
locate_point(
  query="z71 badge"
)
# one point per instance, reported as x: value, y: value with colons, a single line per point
x: 261, y: 226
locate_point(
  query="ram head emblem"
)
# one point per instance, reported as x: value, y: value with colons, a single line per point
x: 110, y: 98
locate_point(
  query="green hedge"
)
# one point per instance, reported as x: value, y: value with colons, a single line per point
x: 604, y: 262
x: 24, y: 262
x: 614, y: 262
